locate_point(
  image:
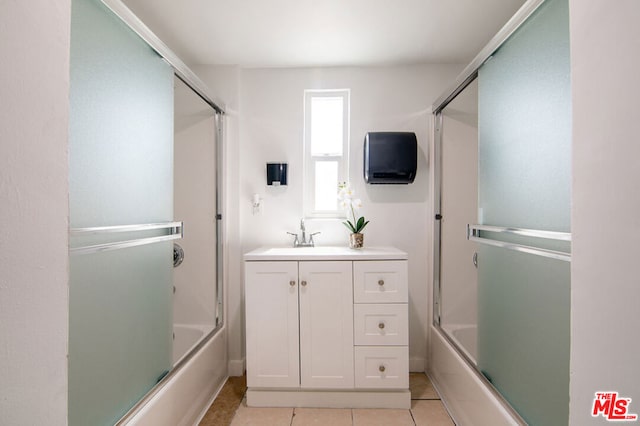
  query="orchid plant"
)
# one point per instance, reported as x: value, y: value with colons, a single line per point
x: 347, y: 202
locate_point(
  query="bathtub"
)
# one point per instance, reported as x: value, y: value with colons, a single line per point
x: 184, y: 395
x: 468, y: 396
x: 185, y: 337
x: 466, y: 338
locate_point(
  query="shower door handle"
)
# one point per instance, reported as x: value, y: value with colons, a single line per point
x: 178, y: 255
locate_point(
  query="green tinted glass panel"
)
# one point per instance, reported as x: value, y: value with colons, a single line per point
x: 525, y: 181
x: 525, y: 126
x: 120, y: 330
x: 523, y: 331
x: 121, y: 156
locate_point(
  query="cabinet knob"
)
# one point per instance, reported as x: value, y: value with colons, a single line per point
x: 292, y: 283
x: 381, y: 368
x: 380, y: 282
x: 303, y: 283
x: 381, y: 326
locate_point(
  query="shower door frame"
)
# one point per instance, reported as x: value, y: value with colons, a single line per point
x: 188, y: 77
x: 466, y: 77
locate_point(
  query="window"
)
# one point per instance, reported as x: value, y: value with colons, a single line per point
x: 326, y: 150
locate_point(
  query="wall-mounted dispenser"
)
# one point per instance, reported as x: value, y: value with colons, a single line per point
x: 256, y: 201
x: 390, y: 157
x: 276, y: 174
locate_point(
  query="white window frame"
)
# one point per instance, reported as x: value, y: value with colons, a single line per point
x: 310, y: 161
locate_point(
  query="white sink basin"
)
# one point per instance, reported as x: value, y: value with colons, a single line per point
x: 297, y: 251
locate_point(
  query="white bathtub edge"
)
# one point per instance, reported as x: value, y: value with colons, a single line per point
x: 206, y: 406
x: 466, y: 397
x: 186, y: 397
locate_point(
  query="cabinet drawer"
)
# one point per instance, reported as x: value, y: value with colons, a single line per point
x: 381, y: 324
x: 380, y: 281
x: 382, y: 367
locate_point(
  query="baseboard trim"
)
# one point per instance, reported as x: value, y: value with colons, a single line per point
x: 417, y: 365
x: 236, y: 367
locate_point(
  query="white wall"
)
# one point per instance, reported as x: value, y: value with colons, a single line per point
x: 605, y: 288
x: 382, y: 98
x: 34, y: 211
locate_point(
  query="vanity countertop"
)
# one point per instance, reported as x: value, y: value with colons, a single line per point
x: 325, y: 253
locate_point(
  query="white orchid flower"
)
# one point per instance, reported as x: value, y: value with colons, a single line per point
x: 345, y: 192
x: 347, y: 202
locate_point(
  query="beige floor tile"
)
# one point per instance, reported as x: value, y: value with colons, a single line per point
x: 382, y: 417
x: 430, y: 413
x: 322, y: 417
x: 223, y: 409
x: 257, y: 416
x: 421, y: 387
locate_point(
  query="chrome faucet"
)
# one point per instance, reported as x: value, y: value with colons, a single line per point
x: 302, y: 228
x: 303, y: 241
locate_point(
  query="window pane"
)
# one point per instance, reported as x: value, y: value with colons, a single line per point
x: 326, y: 125
x: 326, y: 181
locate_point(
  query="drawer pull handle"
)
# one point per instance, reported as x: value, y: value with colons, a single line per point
x: 303, y: 283
x: 381, y: 282
x: 381, y: 368
x: 292, y: 283
x: 381, y: 326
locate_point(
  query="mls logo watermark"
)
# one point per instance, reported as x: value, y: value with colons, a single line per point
x: 612, y: 407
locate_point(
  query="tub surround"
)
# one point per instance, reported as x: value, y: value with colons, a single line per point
x: 327, y: 327
x: 186, y: 337
x: 466, y: 338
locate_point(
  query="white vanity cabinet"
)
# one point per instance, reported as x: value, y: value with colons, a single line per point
x: 327, y: 327
x: 299, y: 318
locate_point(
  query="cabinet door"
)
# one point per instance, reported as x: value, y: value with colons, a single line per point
x: 271, y: 303
x: 326, y: 324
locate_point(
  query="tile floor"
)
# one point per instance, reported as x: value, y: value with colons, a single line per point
x: 426, y: 409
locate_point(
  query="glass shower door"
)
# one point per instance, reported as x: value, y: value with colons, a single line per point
x: 196, y: 311
x: 458, y: 206
x: 523, y: 229
x: 121, y: 212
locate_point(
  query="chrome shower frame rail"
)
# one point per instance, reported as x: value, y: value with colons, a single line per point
x: 181, y: 70
x: 175, y: 233
x: 474, y: 234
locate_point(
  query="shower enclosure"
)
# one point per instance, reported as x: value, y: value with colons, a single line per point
x: 135, y: 190
x: 501, y: 284
x: 458, y: 206
x: 197, y: 300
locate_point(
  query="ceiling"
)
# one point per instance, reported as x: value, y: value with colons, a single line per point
x: 288, y: 33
